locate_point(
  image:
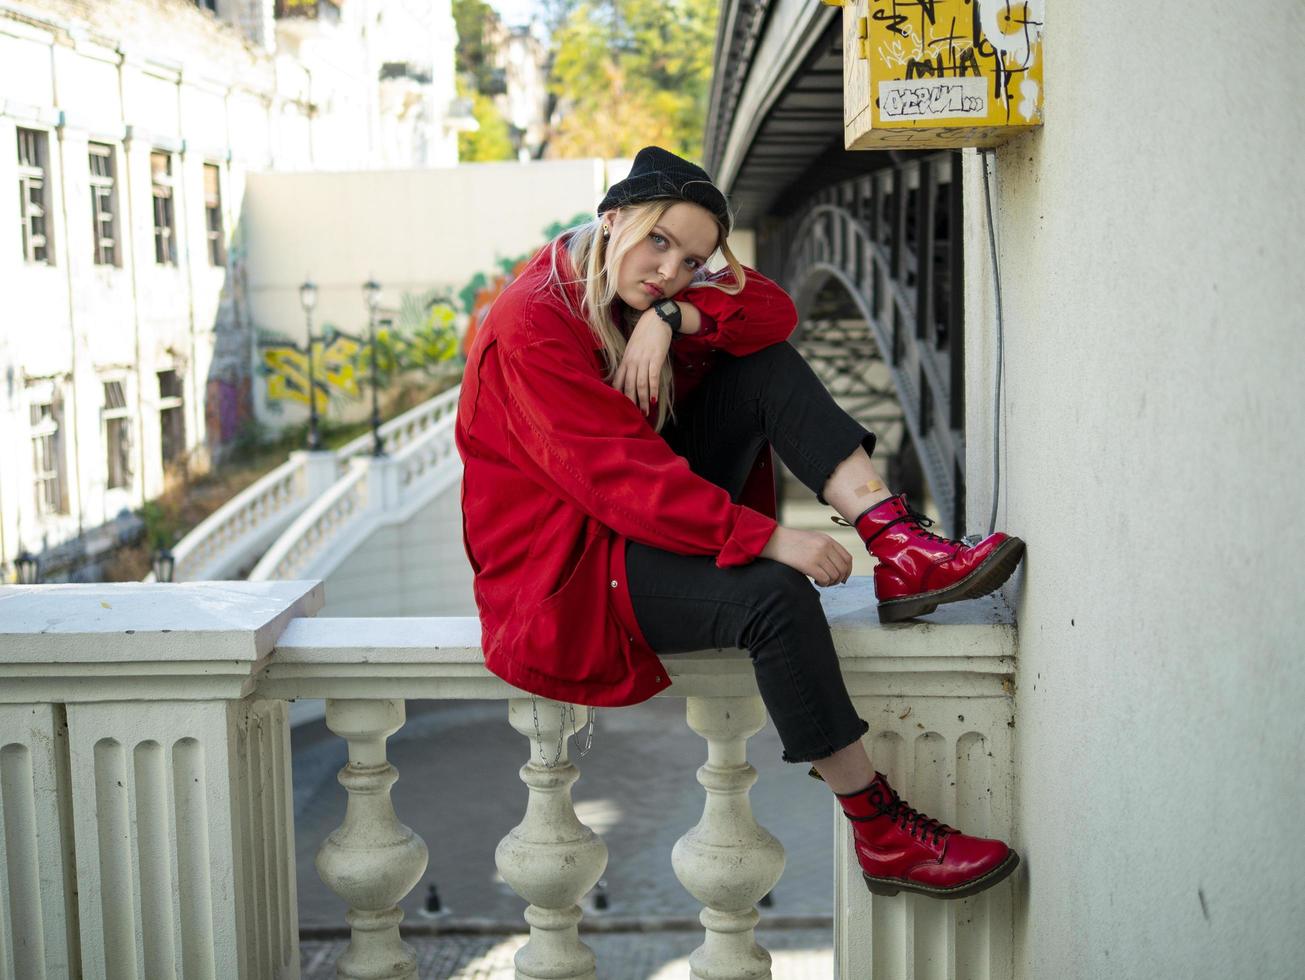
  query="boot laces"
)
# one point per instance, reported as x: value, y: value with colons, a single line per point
x: 907, y: 817
x: 915, y: 517
x: 922, y: 523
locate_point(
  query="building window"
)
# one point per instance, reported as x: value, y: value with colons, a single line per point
x: 217, y: 253
x: 172, y: 417
x: 117, y: 434
x: 47, y: 455
x: 34, y: 201
x: 104, y: 205
x: 165, y: 226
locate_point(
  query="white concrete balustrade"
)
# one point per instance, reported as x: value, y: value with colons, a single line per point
x: 145, y: 810
x: 235, y: 536
x: 375, y: 491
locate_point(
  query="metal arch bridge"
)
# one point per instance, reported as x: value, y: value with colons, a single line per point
x: 867, y: 242
x: 874, y: 264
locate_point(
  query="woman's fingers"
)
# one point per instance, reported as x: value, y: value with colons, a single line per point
x: 624, y: 381
x: 649, y: 387
x: 637, y: 381
x: 641, y: 387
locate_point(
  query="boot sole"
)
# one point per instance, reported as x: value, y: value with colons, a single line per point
x: 888, y: 887
x: 988, y: 577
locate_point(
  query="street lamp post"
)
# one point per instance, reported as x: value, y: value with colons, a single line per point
x: 164, y: 564
x: 28, y: 567
x: 372, y: 294
x: 308, y: 300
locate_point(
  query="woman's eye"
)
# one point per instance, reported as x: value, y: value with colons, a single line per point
x: 659, y: 239
x: 691, y: 263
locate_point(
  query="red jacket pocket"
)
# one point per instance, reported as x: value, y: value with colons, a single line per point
x: 572, y: 633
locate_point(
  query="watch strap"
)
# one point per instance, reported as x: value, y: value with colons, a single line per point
x: 669, y: 311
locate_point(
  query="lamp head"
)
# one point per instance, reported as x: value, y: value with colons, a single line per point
x: 29, y: 568
x: 164, y: 565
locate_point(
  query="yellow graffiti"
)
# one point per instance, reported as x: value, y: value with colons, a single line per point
x: 334, y: 371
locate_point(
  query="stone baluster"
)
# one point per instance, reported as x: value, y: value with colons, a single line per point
x: 550, y: 859
x: 371, y: 860
x: 728, y: 862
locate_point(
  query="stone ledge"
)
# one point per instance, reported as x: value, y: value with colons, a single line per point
x: 137, y: 641
x: 963, y: 649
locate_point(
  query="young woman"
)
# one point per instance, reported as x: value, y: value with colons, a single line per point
x: 615, y: 418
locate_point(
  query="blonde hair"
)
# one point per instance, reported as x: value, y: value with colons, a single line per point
x: 591, y: 255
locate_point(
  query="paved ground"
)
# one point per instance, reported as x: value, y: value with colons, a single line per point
x: 797, y: 954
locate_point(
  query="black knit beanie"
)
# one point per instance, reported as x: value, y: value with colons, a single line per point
x: 658, y: 174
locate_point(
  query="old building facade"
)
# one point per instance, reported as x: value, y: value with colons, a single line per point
x: 129, y: 128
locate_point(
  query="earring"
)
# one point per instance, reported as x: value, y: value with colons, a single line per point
x: 607, y: 233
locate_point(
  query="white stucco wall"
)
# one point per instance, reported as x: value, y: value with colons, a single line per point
x: 1150, y: 243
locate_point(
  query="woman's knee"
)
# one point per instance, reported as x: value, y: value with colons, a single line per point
x: 775, y: 357
x: 781, y: 587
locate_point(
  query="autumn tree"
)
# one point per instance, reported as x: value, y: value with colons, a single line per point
x: 631, y: 72
x: 478, y: 27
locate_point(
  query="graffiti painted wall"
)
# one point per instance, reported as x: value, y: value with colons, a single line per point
x: 419, y: 337
x: 442, y: 244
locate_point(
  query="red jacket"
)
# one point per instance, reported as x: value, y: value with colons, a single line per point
x: 561, y: 469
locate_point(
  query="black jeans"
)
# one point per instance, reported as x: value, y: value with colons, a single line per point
x: 685, y: 603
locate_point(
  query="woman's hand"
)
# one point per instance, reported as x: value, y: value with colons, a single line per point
x: 812, y: 553
x: 639, y: 373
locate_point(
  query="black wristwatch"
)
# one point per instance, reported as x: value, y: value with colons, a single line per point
x: 669, y: 311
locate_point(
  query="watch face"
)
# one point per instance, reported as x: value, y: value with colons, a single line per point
x: 667, y: 307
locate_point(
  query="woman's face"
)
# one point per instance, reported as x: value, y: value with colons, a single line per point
x: 665, y: 261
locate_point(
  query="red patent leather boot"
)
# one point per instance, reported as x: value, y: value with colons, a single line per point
x: 918, y: 571
x: 900, y: 849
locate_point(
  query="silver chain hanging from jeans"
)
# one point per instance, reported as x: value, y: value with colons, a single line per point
x: 561, y: 731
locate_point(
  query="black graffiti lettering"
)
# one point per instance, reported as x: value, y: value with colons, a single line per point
x: 928, y: 101
x: 924, y: 69
x: 895, y: 21
x: 956, y: 66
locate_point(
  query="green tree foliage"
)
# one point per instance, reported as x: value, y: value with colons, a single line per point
x: 476, y: 22
x: 478, y: 26
x: 493, y: 141
x: 632, y: 72
x: 422, y: 338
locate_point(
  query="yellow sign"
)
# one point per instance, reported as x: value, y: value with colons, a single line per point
x: 939, y: 73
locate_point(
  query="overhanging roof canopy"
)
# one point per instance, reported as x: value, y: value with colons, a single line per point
x: 775, y: 120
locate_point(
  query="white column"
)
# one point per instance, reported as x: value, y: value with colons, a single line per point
x: 551, y: 859
x: 183, y: 867
x: 728, y: 862
x: 38, y: 915
x: 372, y: 861
x: 321, y: 469
x: 170, y: 785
